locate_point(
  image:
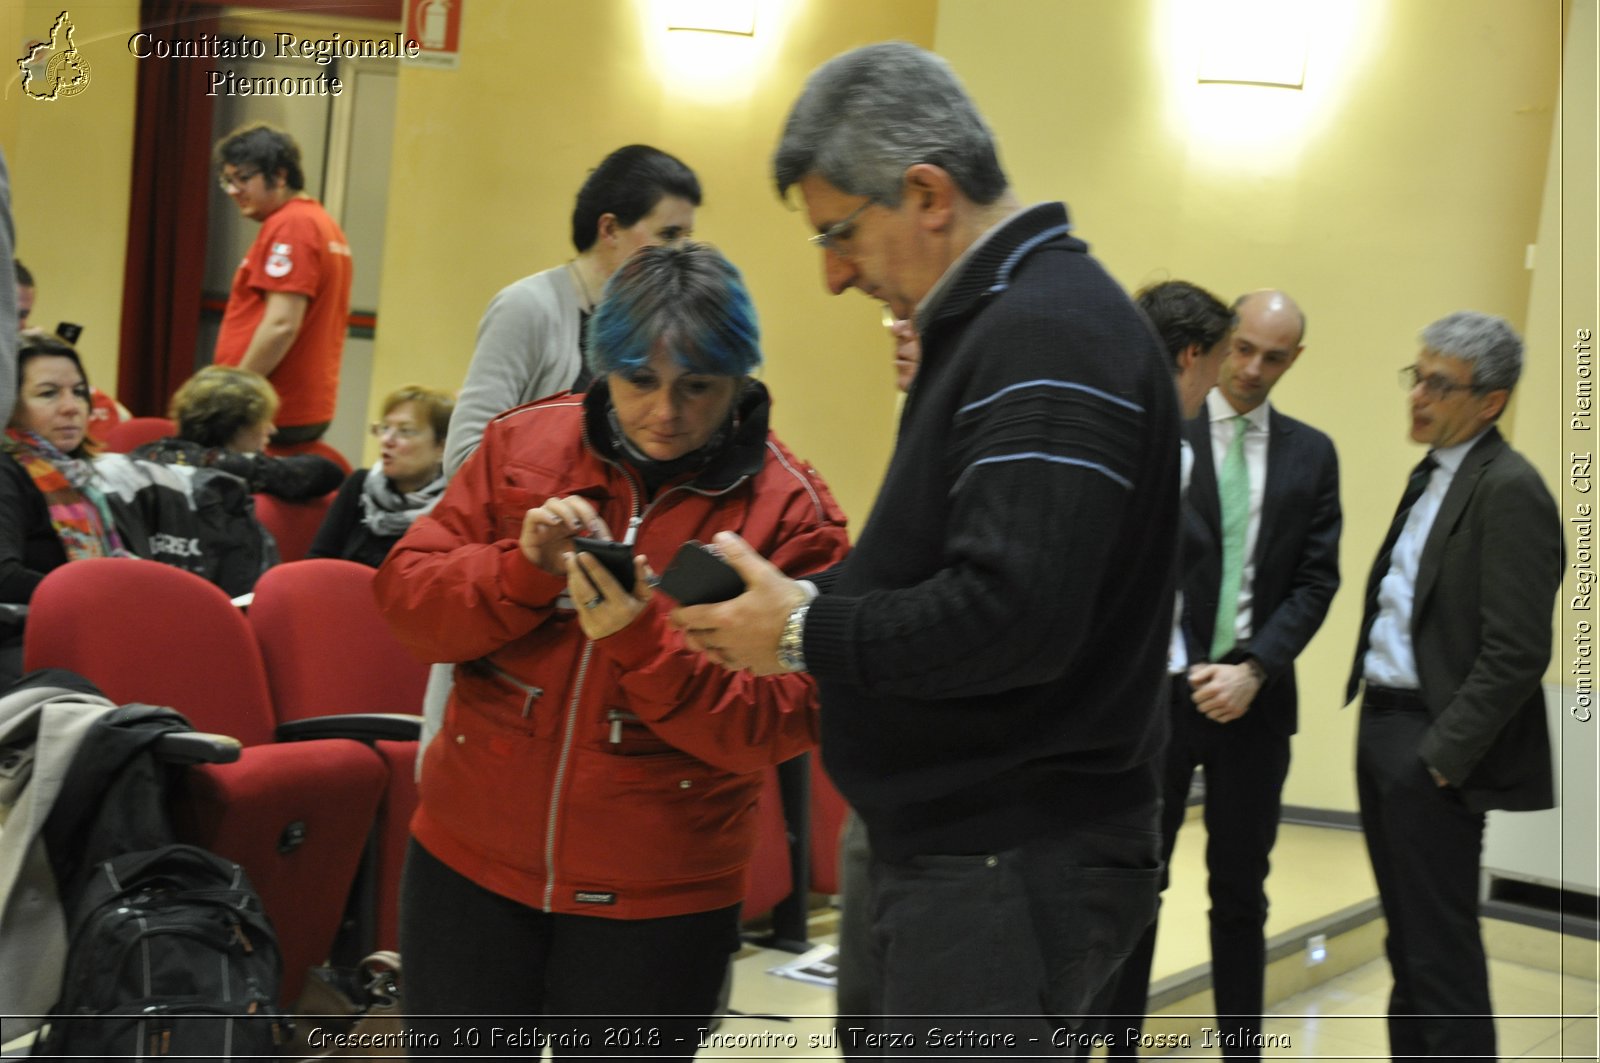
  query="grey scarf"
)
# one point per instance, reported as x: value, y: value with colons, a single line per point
x: 387, y: 512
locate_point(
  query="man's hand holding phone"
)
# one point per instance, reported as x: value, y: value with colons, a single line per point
x: 743, y: 632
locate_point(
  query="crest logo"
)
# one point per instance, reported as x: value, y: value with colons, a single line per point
x: 66, y: 70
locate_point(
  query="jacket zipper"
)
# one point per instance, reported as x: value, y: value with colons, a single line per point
x: 618, y: 718
x: 561, y: 776
x: 569, y: 732
x: 630, y: 536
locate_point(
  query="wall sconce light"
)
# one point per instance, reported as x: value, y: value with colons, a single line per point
x: 1255, y: 42
x: 713, y: 16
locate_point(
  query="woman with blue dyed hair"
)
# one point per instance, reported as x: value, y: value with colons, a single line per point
x: 587, y: 811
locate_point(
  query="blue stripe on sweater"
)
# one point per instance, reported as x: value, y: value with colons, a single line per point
x: 1039, y: 455
x: 1046, y: 383
x: 1003, y: 277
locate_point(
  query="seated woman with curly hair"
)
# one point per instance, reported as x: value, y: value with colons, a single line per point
x: 224, y: 417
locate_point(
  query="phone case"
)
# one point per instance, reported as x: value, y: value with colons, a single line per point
x: 696, y: 576
x: 616, y: 557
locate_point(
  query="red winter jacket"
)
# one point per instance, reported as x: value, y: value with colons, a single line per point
x: 615, y: 778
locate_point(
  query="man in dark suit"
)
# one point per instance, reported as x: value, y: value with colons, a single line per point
x: 1262, y: 524
x: 1455, y: 639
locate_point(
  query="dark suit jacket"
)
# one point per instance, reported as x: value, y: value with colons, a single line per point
x: 1480, y: 627
x: 1296, y: 558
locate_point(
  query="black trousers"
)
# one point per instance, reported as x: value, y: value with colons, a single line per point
x: 1245, y: 764
x: 487, y: 976
x: 1425, y: 846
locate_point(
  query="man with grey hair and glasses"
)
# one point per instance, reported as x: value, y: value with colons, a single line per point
x: 991, y: 657
x: 1454, y: 642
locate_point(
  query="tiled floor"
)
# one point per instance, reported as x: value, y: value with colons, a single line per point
x: 1541, y: 1015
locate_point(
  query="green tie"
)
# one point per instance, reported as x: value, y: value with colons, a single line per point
x: 1233, y: 491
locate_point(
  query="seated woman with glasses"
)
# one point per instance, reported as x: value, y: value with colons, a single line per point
x: 587, y: 814
x: 376, y: 506
x: 224, y: 416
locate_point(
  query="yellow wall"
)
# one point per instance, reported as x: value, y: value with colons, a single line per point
x: 1563, y: 302
x: 1403, y: 182
x: 70, y: 161
x: 487, y: 160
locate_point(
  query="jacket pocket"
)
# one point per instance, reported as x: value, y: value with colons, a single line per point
x: 490, y: 699
x: 629, y: 736
x: 670, y: 817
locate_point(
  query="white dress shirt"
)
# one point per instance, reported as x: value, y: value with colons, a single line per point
x: 1178, y: 648
x: 1391, y: 661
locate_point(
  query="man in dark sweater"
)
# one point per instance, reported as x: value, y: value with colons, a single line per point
x: 991, y: 657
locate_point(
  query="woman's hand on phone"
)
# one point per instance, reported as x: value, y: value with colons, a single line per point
x: 548, y: 530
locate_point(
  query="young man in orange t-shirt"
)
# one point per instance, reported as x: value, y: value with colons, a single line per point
x: 290, y: 300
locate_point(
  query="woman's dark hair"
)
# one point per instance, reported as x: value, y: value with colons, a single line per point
x: 687, y: 296
x: 629, y: 183
x: 218, y: 402
x: 264, y: 148
x: 36, y: 343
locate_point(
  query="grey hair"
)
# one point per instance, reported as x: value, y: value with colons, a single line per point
x: 1484, y: 341
x: 869, y: 114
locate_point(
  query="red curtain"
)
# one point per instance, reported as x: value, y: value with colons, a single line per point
x: 165, y: 266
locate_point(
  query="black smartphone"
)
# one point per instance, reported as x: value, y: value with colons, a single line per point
x: 616, y: 557
x: 697, y: 576
x: 69, y: 331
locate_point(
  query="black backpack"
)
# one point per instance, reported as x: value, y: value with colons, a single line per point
x: 169, y: 954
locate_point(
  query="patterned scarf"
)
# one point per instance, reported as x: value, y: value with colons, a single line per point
x: 77, y: 508
x: 388, y: 512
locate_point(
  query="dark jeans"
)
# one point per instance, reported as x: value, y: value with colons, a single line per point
x: 487, y: 976
x: 858, y: 996
x: 1425, y: 846
x: 1000, y: 954
x: 1245, y: 765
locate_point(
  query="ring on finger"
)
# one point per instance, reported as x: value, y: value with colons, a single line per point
x: 593, y: 602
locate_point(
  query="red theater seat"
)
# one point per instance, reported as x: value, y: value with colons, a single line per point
x: 296, y: 815
x: 329, y: 652
x: 293, y: 524
x: 126, y: 436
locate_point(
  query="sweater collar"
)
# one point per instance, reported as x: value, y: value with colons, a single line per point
x: 987, y: 266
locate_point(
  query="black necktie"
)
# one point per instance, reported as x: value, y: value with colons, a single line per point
x: 1380, y: 567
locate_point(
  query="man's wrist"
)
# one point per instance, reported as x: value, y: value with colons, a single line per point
x: 791, y: 643
x: 1256, y: 670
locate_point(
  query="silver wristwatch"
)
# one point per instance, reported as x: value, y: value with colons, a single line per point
x: 791, y: 644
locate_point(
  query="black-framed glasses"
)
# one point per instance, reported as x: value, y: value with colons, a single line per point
x: 238, y: 180
x: 834, y: 235
x: 1434, y: 386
